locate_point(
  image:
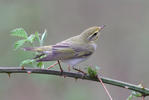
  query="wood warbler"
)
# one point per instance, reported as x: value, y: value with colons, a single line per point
x: 71, y: 51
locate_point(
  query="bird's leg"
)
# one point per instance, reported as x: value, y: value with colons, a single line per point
x: 60, y: 66
x: 53, y: 65
x: 79, y: 70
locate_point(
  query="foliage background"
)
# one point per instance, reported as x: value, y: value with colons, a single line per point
x: 123, y: 51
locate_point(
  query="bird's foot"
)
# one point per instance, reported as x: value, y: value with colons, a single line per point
x: 58, y: 62
x: 53, y: 65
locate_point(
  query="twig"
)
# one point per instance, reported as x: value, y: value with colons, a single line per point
x: 144, y: 91
x: 143, y: 97
x: 100, y: 80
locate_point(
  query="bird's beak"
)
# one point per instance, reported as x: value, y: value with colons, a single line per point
x: 102, y: 26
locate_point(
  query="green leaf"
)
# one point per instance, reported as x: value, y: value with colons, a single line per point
x: 40, y: 64
x: 37, y: 36
x: 136, y: 94
x: 28, y: 61
x: 31, y: 38
x: 43, y: 37
x: 130, y: 97
x: 92, y: 72
x: 19, y: 32
x: 97, y: 68
x: 19, y: 43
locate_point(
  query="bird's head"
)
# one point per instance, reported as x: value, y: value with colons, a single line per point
x: 92, y: 33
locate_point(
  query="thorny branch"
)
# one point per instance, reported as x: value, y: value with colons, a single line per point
x: 9, y: 70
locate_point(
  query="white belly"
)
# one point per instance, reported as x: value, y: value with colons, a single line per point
x: 75, y: 61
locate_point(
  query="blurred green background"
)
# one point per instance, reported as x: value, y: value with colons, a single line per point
x: 122, y: 54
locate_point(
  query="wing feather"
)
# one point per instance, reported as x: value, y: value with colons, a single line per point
x: 64, y: 51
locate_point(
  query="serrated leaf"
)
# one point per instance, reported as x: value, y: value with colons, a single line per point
x: 43, y: 37
x: 31, y: 38
x: 19, y: 32
x: 19, y: 43
x: 28, y: 61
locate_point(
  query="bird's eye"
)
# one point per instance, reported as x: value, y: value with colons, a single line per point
x: 95, y: 34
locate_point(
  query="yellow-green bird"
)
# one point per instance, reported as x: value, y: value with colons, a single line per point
x: 71, y: 51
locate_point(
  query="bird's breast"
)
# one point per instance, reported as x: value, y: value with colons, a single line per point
x: 94, y: 45
x: 75, y: 61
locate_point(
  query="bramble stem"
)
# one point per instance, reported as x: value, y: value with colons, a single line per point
x: 144, y: 91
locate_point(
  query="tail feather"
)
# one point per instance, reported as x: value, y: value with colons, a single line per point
x: 38, y: 49
x: 29, y: 49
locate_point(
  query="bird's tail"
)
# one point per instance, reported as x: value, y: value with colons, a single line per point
x: 38, y: 49
x: 29, y: 49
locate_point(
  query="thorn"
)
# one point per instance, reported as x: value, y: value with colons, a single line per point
x: 29, y: 72
x: 126, y: 87
x: 141, y: 86
x: 64, y: 76
x: 76, y: 79
x: 8, y: 74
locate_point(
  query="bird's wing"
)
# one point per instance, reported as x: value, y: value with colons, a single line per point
x: 39, y: 49
x: 63, y: 51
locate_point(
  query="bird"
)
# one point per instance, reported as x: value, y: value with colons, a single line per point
x: 71, y: 51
